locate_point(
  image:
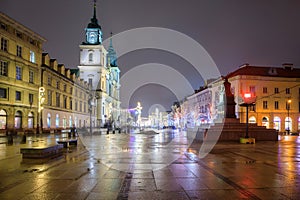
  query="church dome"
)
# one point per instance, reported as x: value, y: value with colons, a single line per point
x: 94, y: 23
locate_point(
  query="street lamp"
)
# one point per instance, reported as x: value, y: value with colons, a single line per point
x: 90, y: 110
x: 249, y: 100
x: 40, y: 108
x: 288, y: 110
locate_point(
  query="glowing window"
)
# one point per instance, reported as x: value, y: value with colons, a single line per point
x: 18, y: 119
x: 30, y: 120
x: 18, y: 73
x: 48, y: 120
x: 32, y: 57
x: 3, y: 118
x: 57, y: 121
x: 252, y: 120
x: 277, y: 122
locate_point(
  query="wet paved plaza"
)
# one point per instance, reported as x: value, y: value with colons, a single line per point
x: 158, y: 166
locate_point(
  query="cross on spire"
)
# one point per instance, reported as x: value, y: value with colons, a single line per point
x: 95, y: 8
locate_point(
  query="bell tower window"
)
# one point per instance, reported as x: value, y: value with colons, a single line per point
x: 93, y: 30
x: 90, y: 57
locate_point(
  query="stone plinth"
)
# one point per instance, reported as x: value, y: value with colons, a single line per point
x: 232, y: 130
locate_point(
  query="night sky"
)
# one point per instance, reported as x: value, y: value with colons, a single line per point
x: 233, y: 32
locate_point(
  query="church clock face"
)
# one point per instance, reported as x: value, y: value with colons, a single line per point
x: 92, y: 37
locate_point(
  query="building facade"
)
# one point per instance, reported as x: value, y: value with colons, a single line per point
x: 20, y: 61
x: 36, y: 93
x: 275, y: 92
x: 277, y: 95
x: 99, y: 68
x: 66, y: 97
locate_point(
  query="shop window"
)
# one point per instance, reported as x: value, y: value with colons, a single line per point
x: 18, y: 119
x: 3, y: 118
x: 30, y: 120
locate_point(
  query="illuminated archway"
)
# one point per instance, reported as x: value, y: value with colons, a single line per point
x: 265, y: 122
x: 57, y: 121
x: 288, y: 124
x: 64, y: 121
x: 70, y: 121
x: 252, y: 120
x: 3, y: 119
x: 30, y: 120
x: 277, y: 122
x: 48, y: 120
x: 18, y: 119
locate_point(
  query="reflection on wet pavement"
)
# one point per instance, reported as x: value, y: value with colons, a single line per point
x: 160, y: 166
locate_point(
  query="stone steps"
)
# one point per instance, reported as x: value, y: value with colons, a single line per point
x: 233, y: 130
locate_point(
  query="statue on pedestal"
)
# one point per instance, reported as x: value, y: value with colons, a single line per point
x: 229, y: 100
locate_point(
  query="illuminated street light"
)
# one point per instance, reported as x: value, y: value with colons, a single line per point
x: 288, y: 110
x: 90, y: 104
x: 40, y: 107
x: 249, y: 100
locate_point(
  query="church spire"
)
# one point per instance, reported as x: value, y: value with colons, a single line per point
x: 110, y: 40
x: 93, y: 31
x: 94, y: 20
x: 94, y: 8
x: 111, y: 53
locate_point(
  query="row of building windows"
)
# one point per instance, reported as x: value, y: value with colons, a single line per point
x: 58, y: 84
x: 18, y: 34
x: 30, y: 124
x: 65, y: 100
x: 276, y: 106
x: 265, y: 90
x: 18, y: 97
x: 19, y: 52
x: 19, y: 74
x: 4, y: 95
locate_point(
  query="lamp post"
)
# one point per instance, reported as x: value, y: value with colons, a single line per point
x: 90, y: 110
x: 249, y: 100
x: 40, y: 108
x: 288, y: 120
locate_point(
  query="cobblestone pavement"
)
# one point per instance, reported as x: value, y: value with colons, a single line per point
x: 132, y: 166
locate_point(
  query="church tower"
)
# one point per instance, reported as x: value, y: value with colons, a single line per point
x: 101, y: 72
x: 93, y: 32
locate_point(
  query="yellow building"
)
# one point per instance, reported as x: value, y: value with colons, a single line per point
x: 277, y: 95
x: 36, y: 93
x: 66, y: 97
x: 20, y: 61
x: 274, y: 92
